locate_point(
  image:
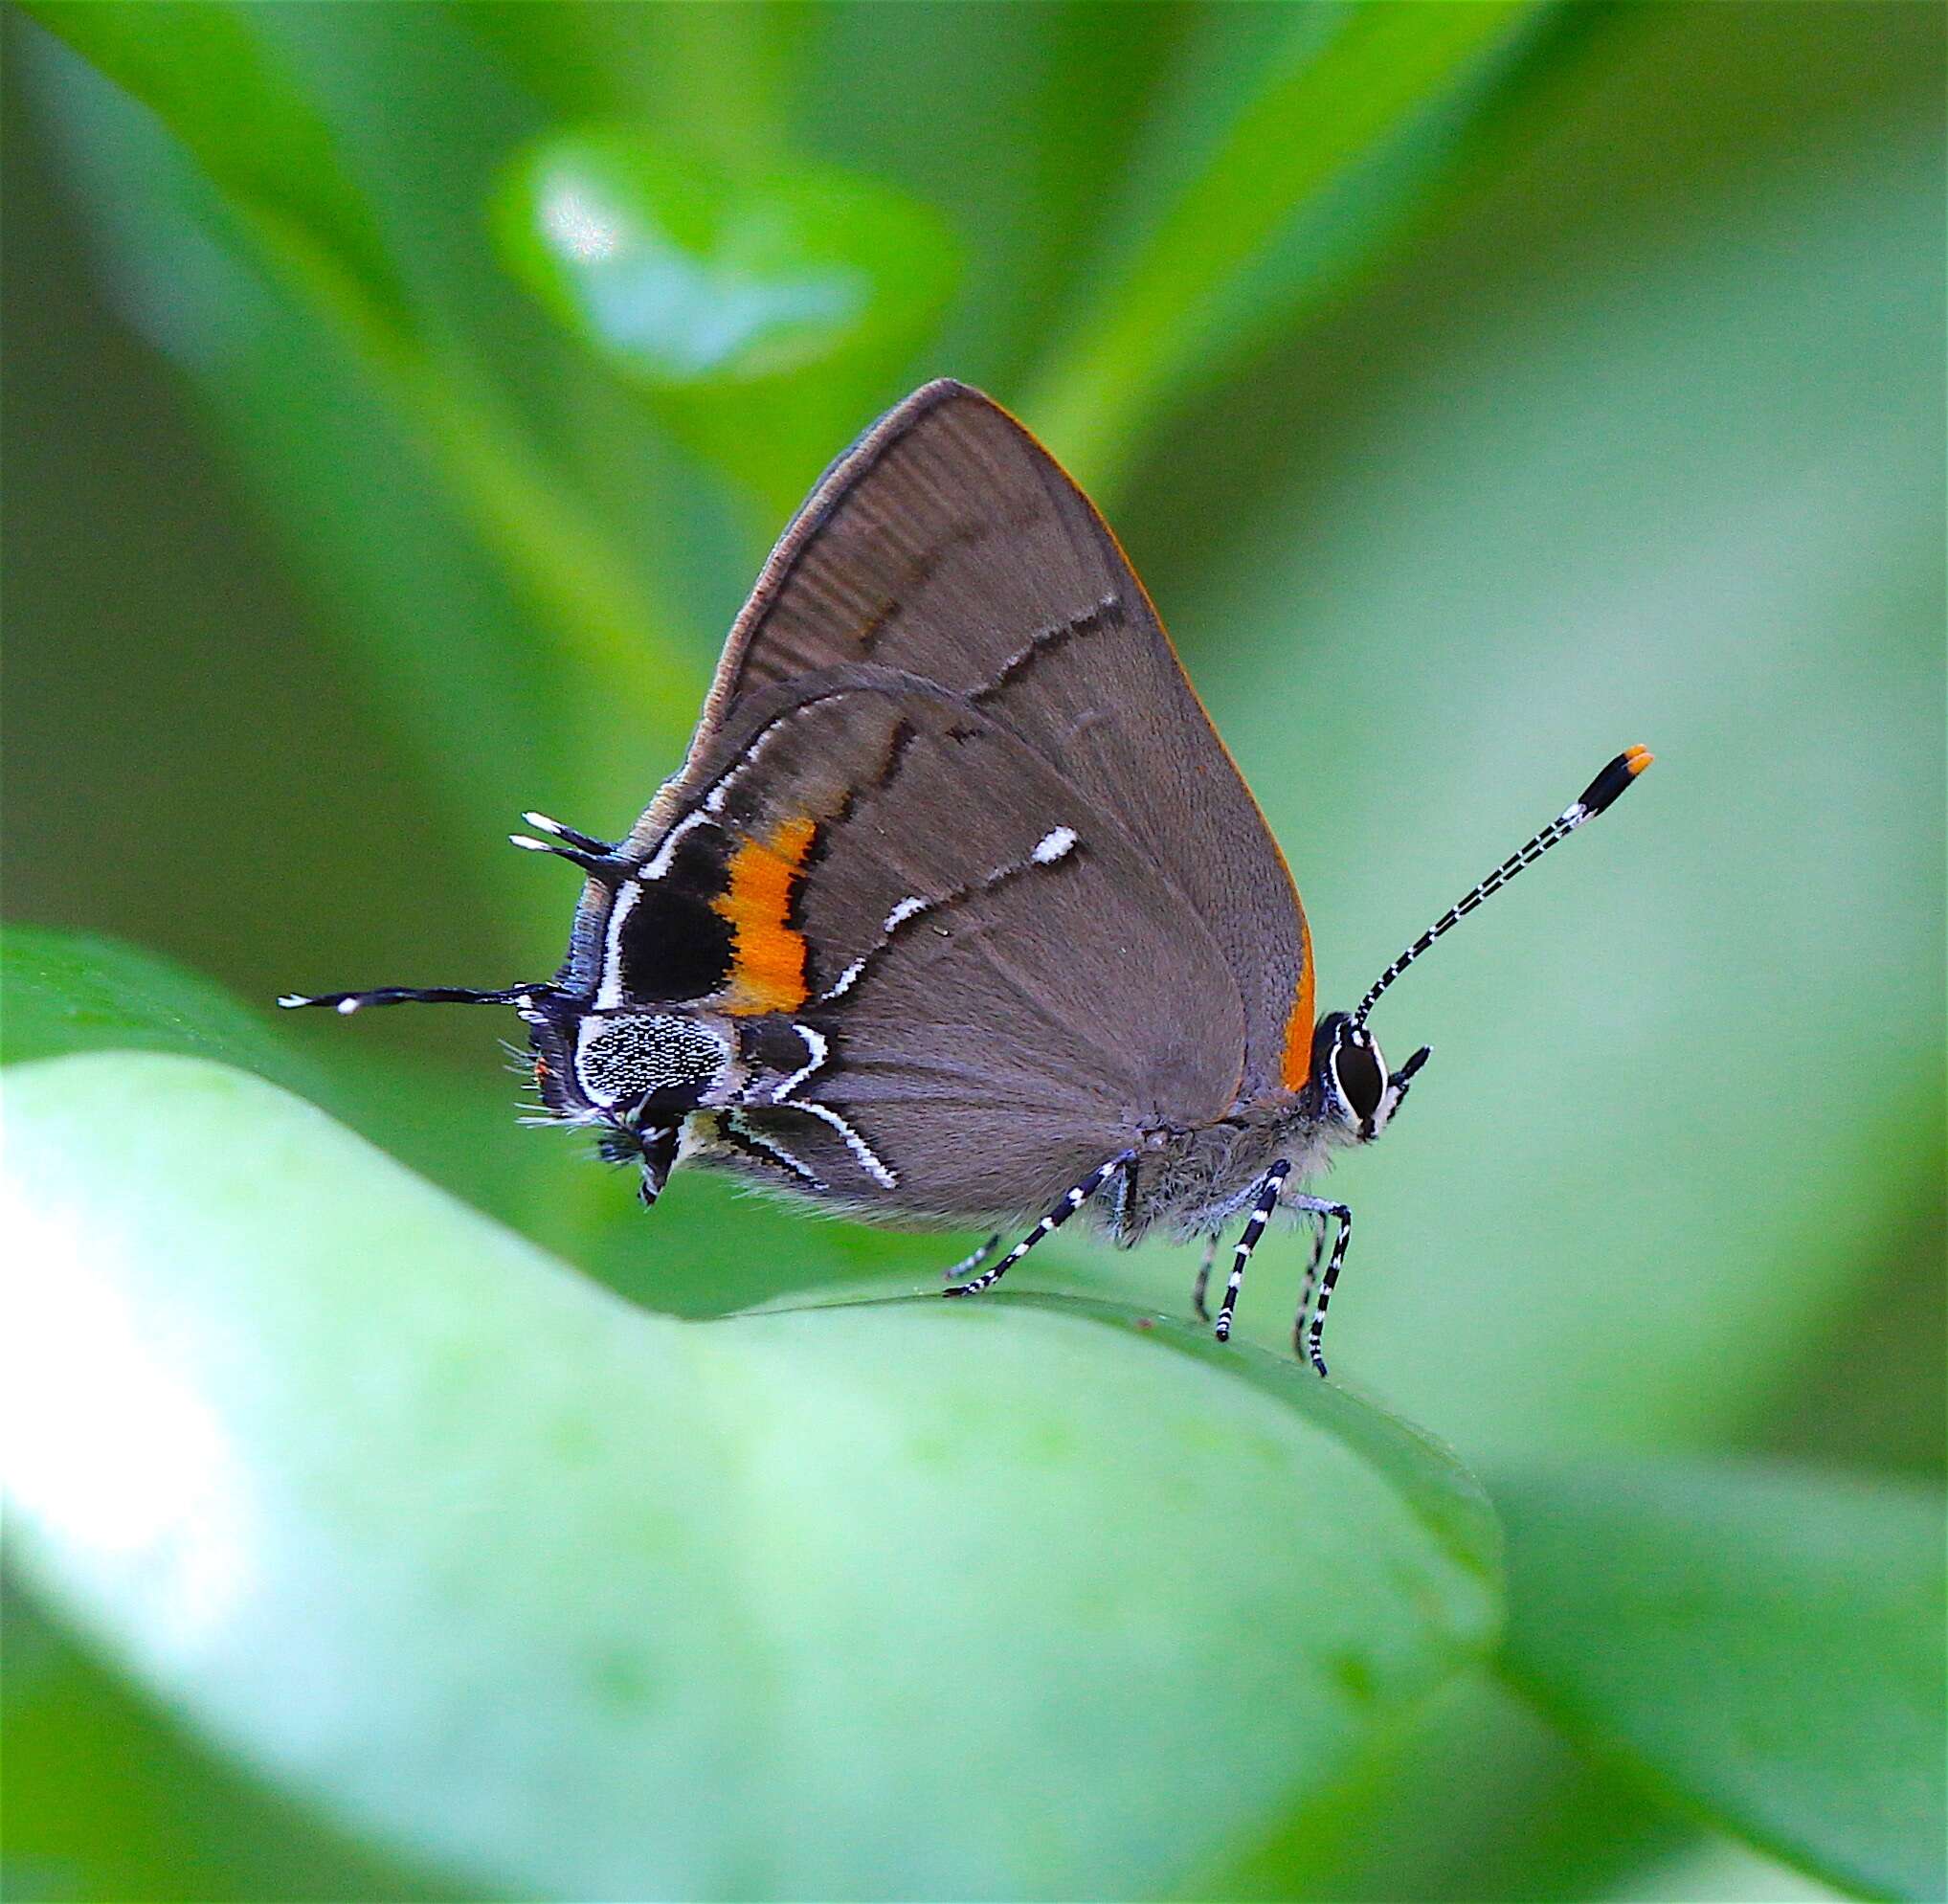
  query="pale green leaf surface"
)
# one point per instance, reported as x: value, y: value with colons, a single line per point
x: 66, y: 993
x: 1717, y: 1870
x: 900, y: 1598
x: 70, y: 991
x: 1766, y: 1643
x: 105, y: 1797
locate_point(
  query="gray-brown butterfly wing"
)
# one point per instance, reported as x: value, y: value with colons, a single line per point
x: 948, y: 544
x: 969, y: 984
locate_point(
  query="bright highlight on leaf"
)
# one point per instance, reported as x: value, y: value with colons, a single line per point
x: 731, y: 301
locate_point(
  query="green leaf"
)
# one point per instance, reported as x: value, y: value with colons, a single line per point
x: 1764, y: 1643
x: 561, y: 1597
x: 232, y: 99
x: 709, y: 79
x: 763, y: 315
x: 66, y: 993
x: 1018, y: 123
x: 224, y: 80
x: 103, y: 1798
x: 70, y: 991
x: 1325, y: 105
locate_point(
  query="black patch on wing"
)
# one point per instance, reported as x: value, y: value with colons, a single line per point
x: 772, y: 1043
x: 675, y: 946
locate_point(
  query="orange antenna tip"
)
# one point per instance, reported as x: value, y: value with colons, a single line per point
x: 1608, y: 785
x: 1600, y: 794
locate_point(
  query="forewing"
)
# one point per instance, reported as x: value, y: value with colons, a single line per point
x: 949, y: 545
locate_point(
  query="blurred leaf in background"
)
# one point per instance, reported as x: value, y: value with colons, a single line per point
x: 722, y: 296
x: 1478, y: 389
x: 1767, y: 1644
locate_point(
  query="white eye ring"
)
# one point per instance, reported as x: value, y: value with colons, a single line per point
x: 1373, y: 1122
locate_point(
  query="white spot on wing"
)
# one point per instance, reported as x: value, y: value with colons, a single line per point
x: 1053, y: 845
x: 846, y: 980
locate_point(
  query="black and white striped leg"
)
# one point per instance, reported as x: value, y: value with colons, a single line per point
x: 1320, y: 1220
x: 1311, y: 1337
x: 972, y: 1261
x: 1254, y: 1228
x: 1072, y: 1200
x: 1201, y: 1287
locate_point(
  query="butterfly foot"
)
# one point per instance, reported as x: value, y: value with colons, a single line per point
x: 972, y: 1261
x: 1203, y: 1282
x: 1072, y: 1200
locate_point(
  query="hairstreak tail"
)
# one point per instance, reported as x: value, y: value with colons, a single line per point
x: 957, y: 907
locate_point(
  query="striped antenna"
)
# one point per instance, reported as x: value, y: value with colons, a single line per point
x: 521, y: 996
x: 1600, y: 792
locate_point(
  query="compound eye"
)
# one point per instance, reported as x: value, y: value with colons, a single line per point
x: 1362, y: 1083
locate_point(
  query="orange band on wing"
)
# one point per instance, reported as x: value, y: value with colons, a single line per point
x: 1295, y: 1061
x: 767, y: 955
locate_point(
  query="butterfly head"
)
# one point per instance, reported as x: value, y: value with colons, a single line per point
x: 633, y: 1075
x: 1353, y: 1089
x: 653, y: 1145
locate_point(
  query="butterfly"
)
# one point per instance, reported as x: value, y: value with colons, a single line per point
x: 958, y: 909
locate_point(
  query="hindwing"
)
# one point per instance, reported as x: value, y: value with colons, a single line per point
x: 970, y: 982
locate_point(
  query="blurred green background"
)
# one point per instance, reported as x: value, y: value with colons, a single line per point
x: 1478, y: 389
